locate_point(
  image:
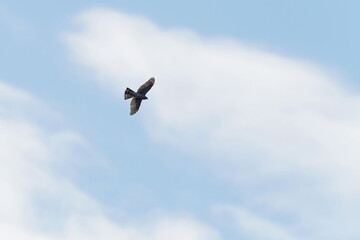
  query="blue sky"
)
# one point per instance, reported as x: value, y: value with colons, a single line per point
x: 250, y: 132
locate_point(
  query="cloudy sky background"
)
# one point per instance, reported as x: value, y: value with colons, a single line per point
x: 250, y: 132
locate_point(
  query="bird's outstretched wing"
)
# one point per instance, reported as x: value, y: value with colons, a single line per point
x: 146, y: 86
x: 135, y: 105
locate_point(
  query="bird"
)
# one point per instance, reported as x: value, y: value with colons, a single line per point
x: 138, y: 96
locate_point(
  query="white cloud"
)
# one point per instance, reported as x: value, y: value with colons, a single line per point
x: 286, y: 130
x: 250, y: 224
x: 157, y: 229
x: 38, y: 202
x: 26, y: 155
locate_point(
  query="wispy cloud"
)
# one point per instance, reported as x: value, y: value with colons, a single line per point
x: 283, y: 130
x: 27, y: 154
x: 39, y: 202
x: 250, y: 225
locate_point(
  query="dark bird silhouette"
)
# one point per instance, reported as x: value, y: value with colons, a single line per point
x: 138, y: 96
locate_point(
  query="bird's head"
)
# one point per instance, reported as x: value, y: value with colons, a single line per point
x: 145, y: 98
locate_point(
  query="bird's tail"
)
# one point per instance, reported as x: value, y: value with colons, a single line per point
x: 129, y: 93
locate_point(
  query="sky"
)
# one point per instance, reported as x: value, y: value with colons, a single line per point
x: 251, y: 130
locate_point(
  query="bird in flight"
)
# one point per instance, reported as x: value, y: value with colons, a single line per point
x: 138, y: 96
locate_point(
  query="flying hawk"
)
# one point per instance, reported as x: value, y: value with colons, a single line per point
x: 138, y: 96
